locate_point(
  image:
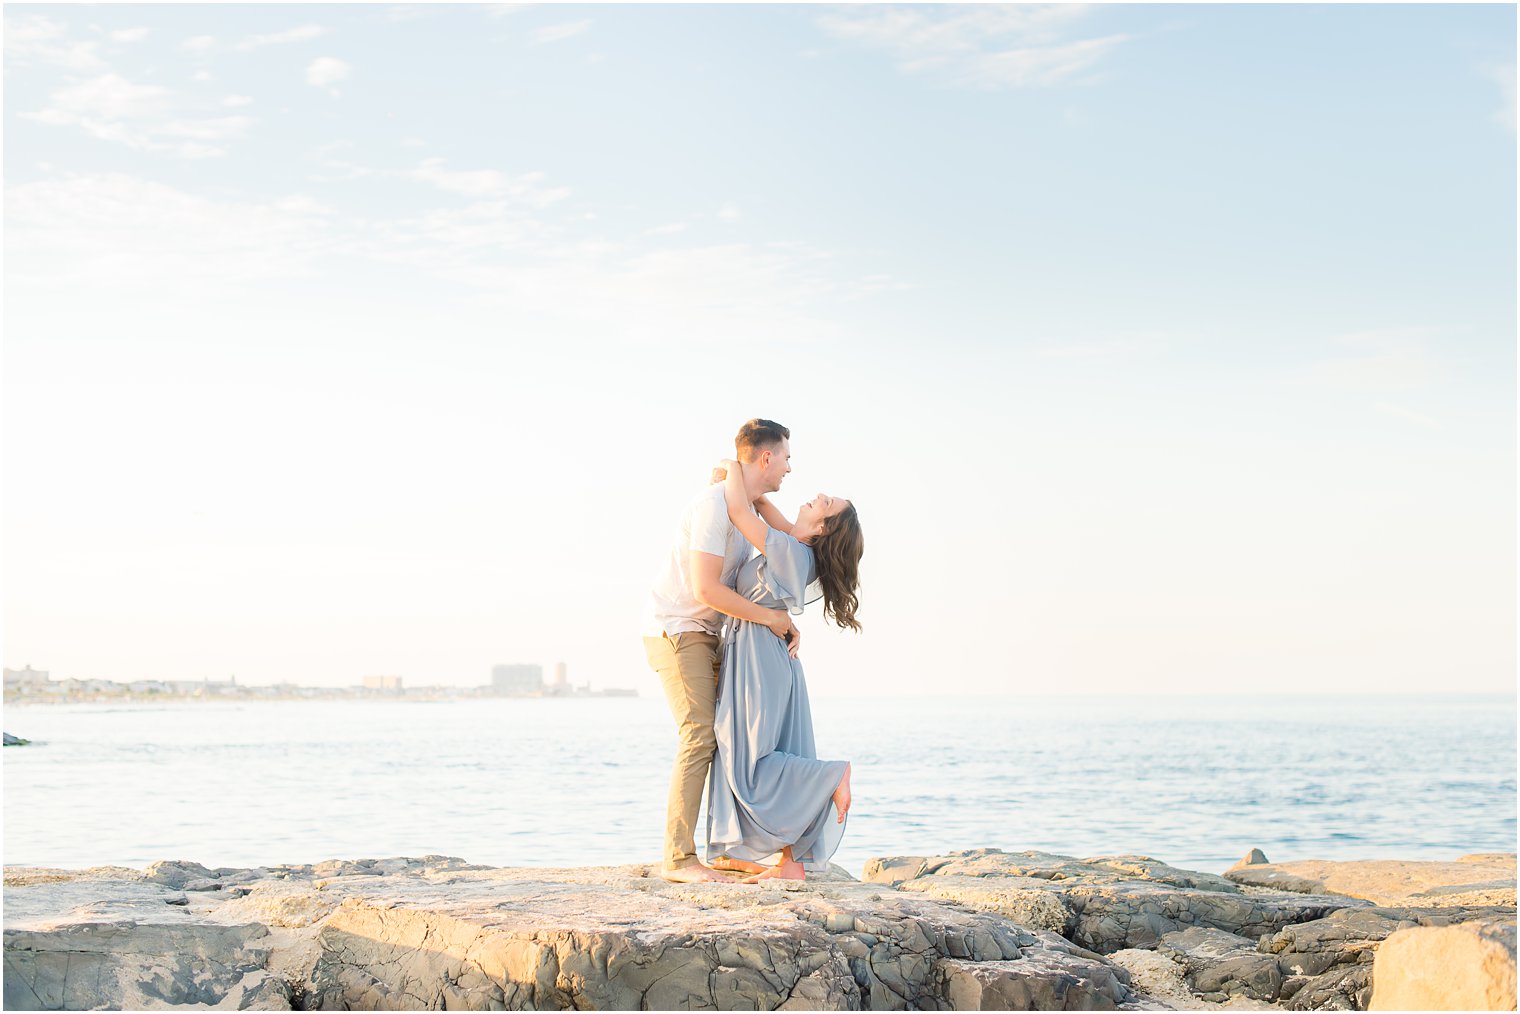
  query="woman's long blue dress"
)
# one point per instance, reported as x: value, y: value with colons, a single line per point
x: 768, y: 789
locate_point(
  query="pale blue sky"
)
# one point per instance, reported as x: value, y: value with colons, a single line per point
x: 1162, y: 347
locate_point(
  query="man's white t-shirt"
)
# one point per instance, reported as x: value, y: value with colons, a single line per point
x: 672, y: 608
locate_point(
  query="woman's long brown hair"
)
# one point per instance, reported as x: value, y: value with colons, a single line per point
x: 837, y: 552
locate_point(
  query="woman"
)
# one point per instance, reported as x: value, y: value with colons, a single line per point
x: 768, y: 792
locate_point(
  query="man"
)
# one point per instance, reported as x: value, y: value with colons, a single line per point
x: 685, y: 613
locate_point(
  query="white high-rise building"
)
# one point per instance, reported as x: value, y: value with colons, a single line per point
x: 517, y: 680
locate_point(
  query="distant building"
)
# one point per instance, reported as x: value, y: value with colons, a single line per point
x: 227, y: 686
x: 517, y: 680
x: 391, y: 683
x: 561, y: 686
x: 26, y: 679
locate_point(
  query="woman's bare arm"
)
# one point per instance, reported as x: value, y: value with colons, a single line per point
x: 744, y: 519
x: 772, y: 515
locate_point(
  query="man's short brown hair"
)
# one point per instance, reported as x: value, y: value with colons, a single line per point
x: 759, y: 435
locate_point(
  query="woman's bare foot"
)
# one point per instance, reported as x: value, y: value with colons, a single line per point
x: 841, y: 795
x: 692, y: 873
x: 787, y: 869
x: 733, y: 865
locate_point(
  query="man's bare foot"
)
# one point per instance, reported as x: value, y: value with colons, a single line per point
x: 692, y: 873
x: 733, y: 865
x: 789, y: 869
x: 841, y: 795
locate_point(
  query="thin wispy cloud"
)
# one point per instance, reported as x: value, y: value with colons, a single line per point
x: 729, y: 212
x: 326, y: 71
x: 35, y: 40
x: 1504, y: 77
x: 515, y: 244
x: 994, y: 46
x: 488, y: 183
x: 129, y: 35
x: 199, y: 44
x: 564, y: 30
x: 1401, y: 412
x: 120, y: 231
x: 406, y: 12
x: 304, y: 33
x: 1113, y: 348
x: 334, y: 168
x: 146, y: 117
x: 1386, y: 361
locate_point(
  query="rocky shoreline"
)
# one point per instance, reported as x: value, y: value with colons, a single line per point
x: 975, y: 930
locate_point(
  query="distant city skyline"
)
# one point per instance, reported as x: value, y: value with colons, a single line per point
x: 29, y: 685
x: 1164, y: 349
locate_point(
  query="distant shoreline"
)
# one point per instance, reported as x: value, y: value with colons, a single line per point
x: 336, y: 694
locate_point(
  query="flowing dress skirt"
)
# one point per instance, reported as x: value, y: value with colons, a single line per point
x: 768, y: 789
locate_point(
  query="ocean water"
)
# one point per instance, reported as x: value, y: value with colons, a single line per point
x: 1194, y: 781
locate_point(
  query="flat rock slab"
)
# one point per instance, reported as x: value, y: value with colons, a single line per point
x: 438, y: 932
x: 1487, y: 879
x: 1048, y: 867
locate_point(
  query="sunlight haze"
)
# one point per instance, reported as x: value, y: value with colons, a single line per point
x: 1163, y: 349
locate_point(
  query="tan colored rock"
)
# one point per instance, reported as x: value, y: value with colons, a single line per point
x: 1487, y: 879
x: 1469, y: 966
x: 1327, y: 964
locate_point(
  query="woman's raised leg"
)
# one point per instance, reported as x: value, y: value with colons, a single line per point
x: 841, y: 795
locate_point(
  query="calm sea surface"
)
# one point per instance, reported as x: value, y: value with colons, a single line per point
x: 1194, y: 781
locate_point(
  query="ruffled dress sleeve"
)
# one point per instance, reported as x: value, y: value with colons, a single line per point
x: 790, y: 574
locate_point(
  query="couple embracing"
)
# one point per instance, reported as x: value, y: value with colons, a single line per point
x: 719, y: 631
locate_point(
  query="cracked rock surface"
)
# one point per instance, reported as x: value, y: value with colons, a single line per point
x: 1106, y: 904
x: 1235, y: 940
x: 438, y: 932
x: 1217, y: 965
x: 975, y: 930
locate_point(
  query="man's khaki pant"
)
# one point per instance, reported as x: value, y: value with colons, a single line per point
x: 688, y: 668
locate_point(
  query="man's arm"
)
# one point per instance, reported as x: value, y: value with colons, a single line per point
x: 708, y: 588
